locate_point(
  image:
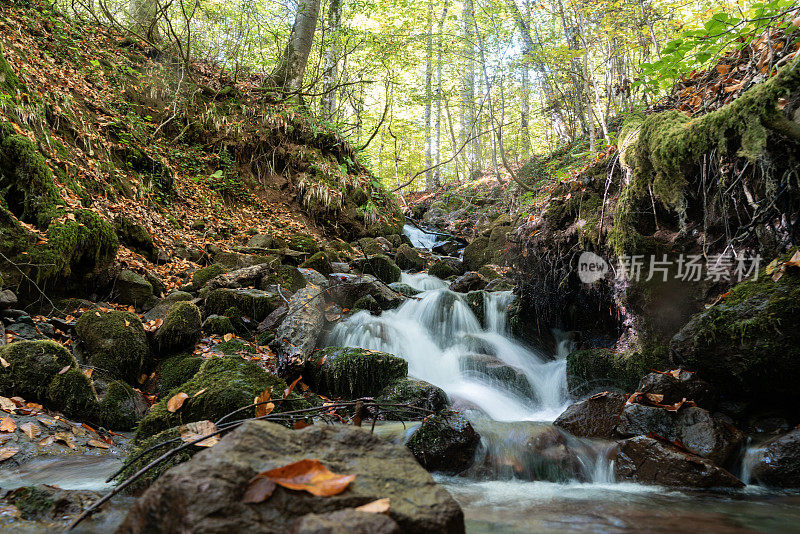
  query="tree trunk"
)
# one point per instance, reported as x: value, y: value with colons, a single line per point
x: 329, y: 101
x: 144, y: 19
x: 469, y: 124
x: 437, y: 143
x: 288, y: 76
x: 429, y: 183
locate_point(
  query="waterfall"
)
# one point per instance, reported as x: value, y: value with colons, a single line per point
x: 420, y: 238
x: 436, y: 330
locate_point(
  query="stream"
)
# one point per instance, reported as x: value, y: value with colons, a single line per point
x: 439, y: 330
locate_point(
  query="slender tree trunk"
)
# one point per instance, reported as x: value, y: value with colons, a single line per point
x: 288, y: 76
x: 437, y: 143
x: 329, y: 102
x: 429, y: 182
x: 497, y: 137
x: 144, y: 19
x: 469, y: 124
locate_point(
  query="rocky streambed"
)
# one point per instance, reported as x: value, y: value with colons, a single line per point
x: 339, y: 341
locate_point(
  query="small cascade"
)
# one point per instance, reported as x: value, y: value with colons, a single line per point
x: 422, y: 281
x: 419, y: 237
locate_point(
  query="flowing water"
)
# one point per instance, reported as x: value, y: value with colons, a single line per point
x: 517, y: 486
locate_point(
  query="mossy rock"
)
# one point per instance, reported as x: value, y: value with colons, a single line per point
x: 32, y: 367
x: 304, y: 243
x: 218, y: 325
x: 118, y: 407
x: 368, y: 303
x: 133, y: 289
x: 202, y: 276
x: 287, y: 277
x: 227, y: 384
x: 443, y: 269
x: 380, y: 266
x: 33, y: 502
x: 748, y: 344
x: 176, y: 370
x: 73, y: 394
x: 476, y: 254
x: 445, y: 442
x: 593, y: 370
x: 476, y: 300
x: 352, y: 372
x: 408, y: 259
x: 319, y: 262
x: 266, y: 242
x: 115, y: 342
x: 135, y: 237
x: 181, y: 329
x: 253, y: 303
x: 159, y: 311
x: 171, y: 439
x: 369, y: 246
x: 412, y: 392
x: 490, y: 273
x: 404, y: 289
x: 26, y: 182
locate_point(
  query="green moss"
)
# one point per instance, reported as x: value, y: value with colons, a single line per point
x: 404, y: 289
x: 181, y: 329
x: 135, y: 237
x: 319, y: 262
x: 489, y: 273
x: 414, y: 393
x: 132, y: 465
x: 381, y: 266
x: 202, y: 276
x: 33, y: 365
x: 115, y: 342
x: 254, y: 303
x: 353, y: 372
x: 304, y: 243
x: 442, y: 269
x: 594, y: 369
x: 234, y: 347
x: 476, y: 254
x: 408, y: 258
x: 132, y: 288
x: 287, y: 278
x: 217, y: 325
x: 475, y: 301
x: 228, y: 383
x: 117, y: 408
x: 33, y: 503
x: 174, y: 371
x: 9, y: 82
x: 368, y: 246
x: 73, y: 394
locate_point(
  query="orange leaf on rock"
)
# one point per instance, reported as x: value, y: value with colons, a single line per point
x: 31, y: 429
x: 381, y: 506
x: 288, y: 390
x: 227, y: 337
x: 97, y: 443
x: 192, y: 431
x: 311, y: 476
x: 7, y: 425
x: 7, y: 452
x: 174, y: 404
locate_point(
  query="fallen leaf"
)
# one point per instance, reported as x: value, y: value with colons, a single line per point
x: 199, y: 392
x: 31, y: 430
x: 47, y: 441
x: 381, y: 506
x: 258, y: 490
x: 7, y: 404
x: 299, y: 425
x: 288, y: 390
x: 64, y: 370
x: 655, y: 398
x: 192, y: 431
x: 97, y: 443
x: 7, y: 425
x: 3, y: 362
x: 78, y: 431
x: 88, y: 372
x: 227, y: 337
x: 65, y: 437
x: 309, y: 475
x: 794, y: 261
x: 174, y: 404
x: 8, y: 452
x: 264, y: 409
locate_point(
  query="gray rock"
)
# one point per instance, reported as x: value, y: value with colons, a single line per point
x: 314, y: 277
x: 408, y: 259
x: 348, y: 521
x: 196, y: 497
x: 496, y: 369
x: 299, y: 331
x: 471, y: 281
x: 779, y: 461
x: 159, y: 311
x: 446, y: 267
x: 7, y: 299
x: 347, y: 289
x: 412, y: 392
x: 445, y: 442
x: 595, y: 417
x: 340, y: 267
x: 650, y: 461
x: 133, y: 289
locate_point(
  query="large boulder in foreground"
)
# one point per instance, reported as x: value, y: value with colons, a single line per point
x: 445, y: 442
x: 595, y: 417
x: 650, y: 461
x: 205, y: 493
x: 779, y: 462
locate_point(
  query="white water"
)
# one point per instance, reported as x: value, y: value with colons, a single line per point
x: 420, y: 238
x: 433, y: 332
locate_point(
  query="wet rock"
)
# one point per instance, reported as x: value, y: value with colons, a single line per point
x: 227, y: 384
x: 778, y: 462
x: 115, y: 342
x: 133, y: 289
x: 194, y: 497
x: 379, y: 265
x: 368, y: 246
x: 201, y: 276
x: 408, y: 259
x: 698, y: 430
x: 686, y: 386
x: 367, y: 303
x: 176, y: 370
x: 219, y: 325
x: 244, y: 277
x: 650, y: 461
x: 595, y: 417
x: 385, y: 244
x: 445, y: 442
x: 548, y: 456
x: 412, y: 392
x: 49, y: 503
x: 319, y: 262
x: 467, y: 282
x: 345, y: 522
x: 299, y: 332
x: 237, y: 260
x: 444, y: 268
x: 287, y: 277
x: 25, y: 329
x: 159, y: 311
x: 254, y: 303
x: 347, y: 289
x: 496, y: 369
x: 7, y: 299
x: 181, y: 329
x: 447, y: 248
x: 304, y: 243
x: 313, y: 277
x: 352, y: 372
x: 340, y: 267
x: 404, y: 289
x: 499, y: 284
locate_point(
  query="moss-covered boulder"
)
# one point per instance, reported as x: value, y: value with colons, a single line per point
x: 73, y: 393
x: 202, y: 276
x: 476, y: 254
x: 367, y: 303
x: 32, y: 366
x: 489, y: 272
x: 445, y: 442
x: 226, y: 383
x: 368, y: 246
x: 176, y: 370
x: 115, y: 342
x: 254, y: 303
x: 135, y: 236
x: 352, y: 372
x: 159, y: 311
x: 217, y: 325
x: 381, y: 266
x: 141, y: 455
x: 304, y: 243
x: 132, y: 288
x: 9, y: 81
x: 444, y: 269
x: 121, y: 408
x: 404, y: 289
x: 412, y: 392
x: 181, y: 329
x: 408, y: 259
x: 319, y: 262
x: 592, y: 370
x: 748, y: 344
x: 287, y: 277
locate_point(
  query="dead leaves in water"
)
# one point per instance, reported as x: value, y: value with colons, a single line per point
x: 306, y: 475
